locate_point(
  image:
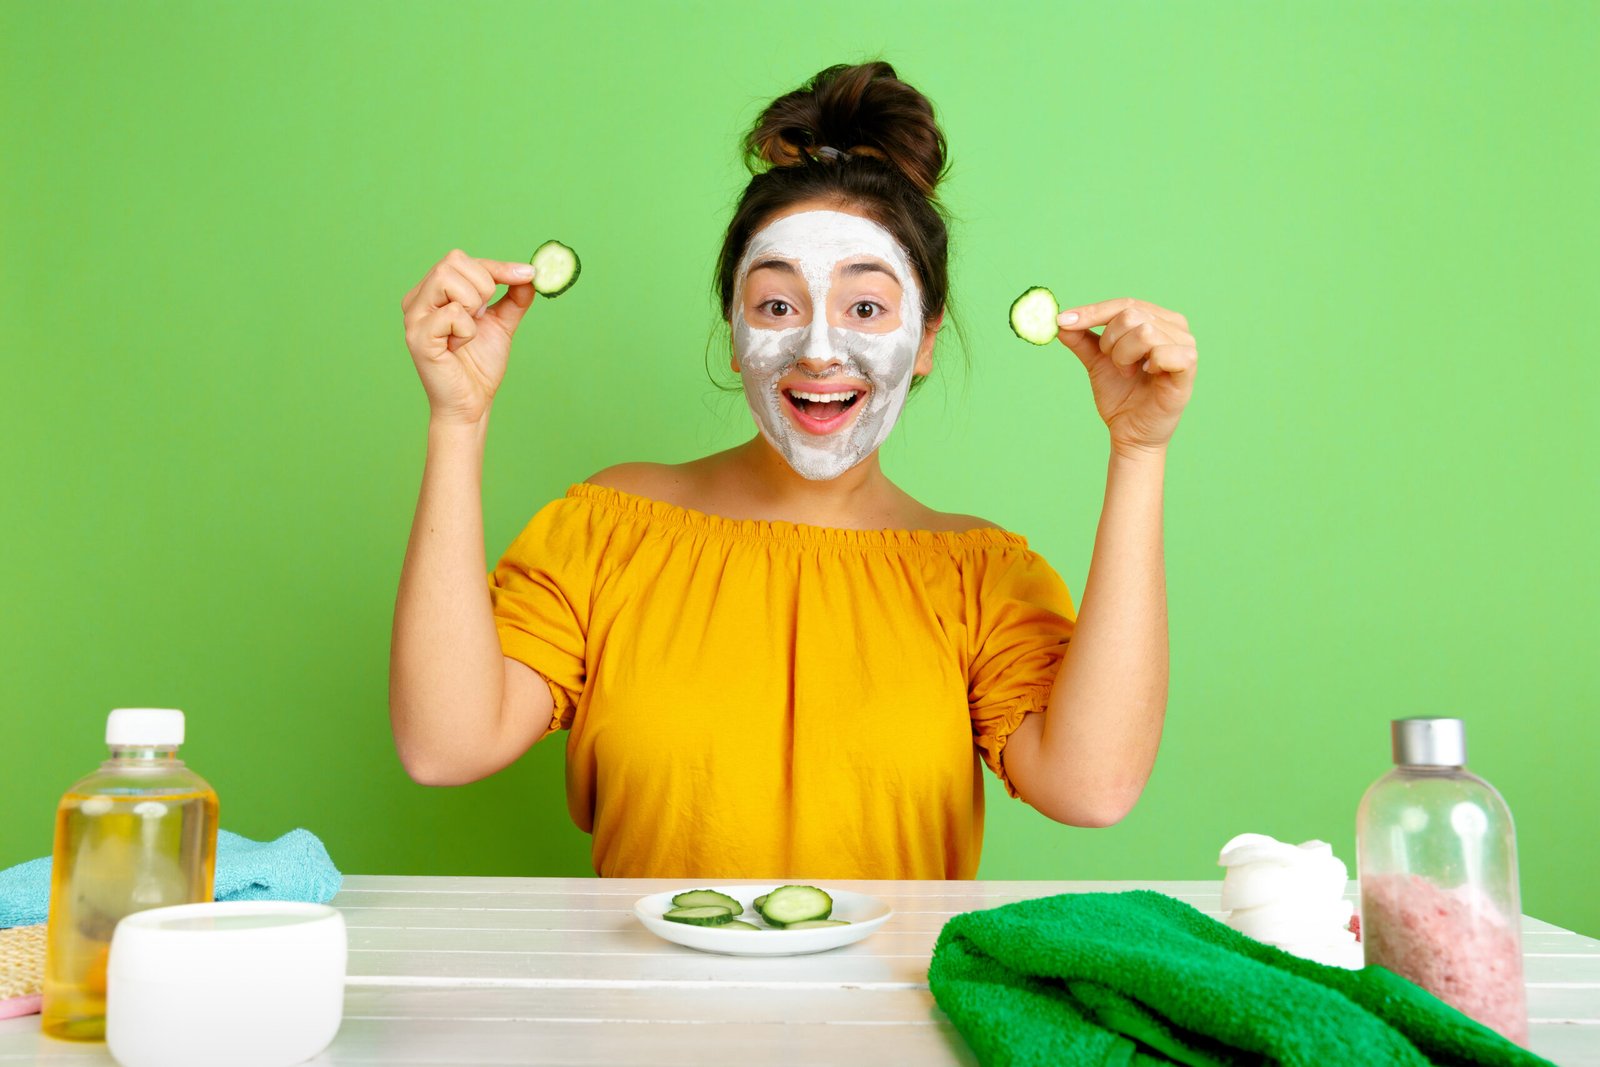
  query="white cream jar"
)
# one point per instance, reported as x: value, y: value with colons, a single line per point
x: 246, y: 983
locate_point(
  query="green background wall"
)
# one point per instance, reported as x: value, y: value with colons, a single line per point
x: 1379, y: 218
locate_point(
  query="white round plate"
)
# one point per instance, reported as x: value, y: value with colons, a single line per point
x: 864, y: 914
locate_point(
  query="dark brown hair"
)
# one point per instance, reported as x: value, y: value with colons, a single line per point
x: 854, y: 135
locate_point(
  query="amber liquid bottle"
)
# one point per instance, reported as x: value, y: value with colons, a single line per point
x: 140, y: 832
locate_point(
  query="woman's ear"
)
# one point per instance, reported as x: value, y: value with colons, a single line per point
x: 924, y: 364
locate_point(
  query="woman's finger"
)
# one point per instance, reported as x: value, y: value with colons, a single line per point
x: 508, y: 310
x: 1101, y: 313
x: 477, y: 272
x: 463, y: 328
x: 486, y: 274
x: 1085, y: 344
x: 442, y: 287
x: 1171, y: 359
x: 481, y: 273
x: 1133, y: 319
x: 428, y: 294
x: 470, y: 281
x: 447, y: 328
x: 1133, y: 343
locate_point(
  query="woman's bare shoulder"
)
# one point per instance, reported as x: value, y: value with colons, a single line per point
x: 922, y: 517
x: 949, y: 522
x: 670, y: 482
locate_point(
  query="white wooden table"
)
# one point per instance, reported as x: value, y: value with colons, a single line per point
x: 456, y: 971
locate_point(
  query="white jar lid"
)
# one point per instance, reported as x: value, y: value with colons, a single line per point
x: 154, y: 727
x: 183, y: 942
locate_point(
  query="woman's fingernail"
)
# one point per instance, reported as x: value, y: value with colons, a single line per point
x: 522, y: 270
x: 1067, y: 318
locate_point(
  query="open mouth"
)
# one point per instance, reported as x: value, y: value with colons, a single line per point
x: 822, y: 412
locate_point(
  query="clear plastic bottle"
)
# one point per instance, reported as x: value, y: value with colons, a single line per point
x: 1437, y: 857
x: 140, y: 832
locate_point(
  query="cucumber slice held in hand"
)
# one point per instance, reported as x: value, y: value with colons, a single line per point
x: 1033, y: 316
x: 555, y: 268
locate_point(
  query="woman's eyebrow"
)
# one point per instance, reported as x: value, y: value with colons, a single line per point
x: 851, y: 269
x: 772, y: 264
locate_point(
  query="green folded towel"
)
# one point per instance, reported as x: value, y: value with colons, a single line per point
x: 1141, y: 978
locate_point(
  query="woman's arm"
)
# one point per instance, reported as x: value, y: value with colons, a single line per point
x: 459, y: 708
x: 1086, y: 759
x: 449, y: 683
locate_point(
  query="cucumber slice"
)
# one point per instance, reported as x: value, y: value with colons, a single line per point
x: 738, y: 924
x: 555, y: 268
x: 794, y: 904
x: 815, y: 924
x: 701, y: 898
x: 756, y: 903
x: 1033, y: 316
x: 702, y: 916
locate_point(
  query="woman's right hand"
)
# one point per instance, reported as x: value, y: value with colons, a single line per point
x: 459, y: 344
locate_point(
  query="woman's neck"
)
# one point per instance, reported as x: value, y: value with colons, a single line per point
x: 762, y: 481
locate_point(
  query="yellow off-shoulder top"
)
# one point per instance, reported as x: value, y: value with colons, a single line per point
x: 755, y: 699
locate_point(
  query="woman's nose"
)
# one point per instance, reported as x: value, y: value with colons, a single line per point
x: 817, y: 353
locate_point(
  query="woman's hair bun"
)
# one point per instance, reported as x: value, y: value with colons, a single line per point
x: 861, y: 110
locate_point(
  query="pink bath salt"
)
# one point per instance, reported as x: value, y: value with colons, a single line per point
x: 1454, y: 943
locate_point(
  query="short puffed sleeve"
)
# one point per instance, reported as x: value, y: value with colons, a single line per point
x: 542, y: 591
x: 1025, y: 618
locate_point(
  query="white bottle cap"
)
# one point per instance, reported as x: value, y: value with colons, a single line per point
x: 144, y: 727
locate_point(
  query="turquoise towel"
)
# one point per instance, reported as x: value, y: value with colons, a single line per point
x: 1139, y: 978
x: 294, y: 867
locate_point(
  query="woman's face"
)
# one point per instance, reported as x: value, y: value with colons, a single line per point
x: 827, y: 333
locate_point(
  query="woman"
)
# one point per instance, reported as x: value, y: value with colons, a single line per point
x: 772, y: 661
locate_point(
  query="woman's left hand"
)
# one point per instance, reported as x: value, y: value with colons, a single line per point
x: 1141, y: 368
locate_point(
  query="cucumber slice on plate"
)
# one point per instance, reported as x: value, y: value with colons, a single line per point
x: 756, y: 903
x: 704, y: 916
x: 1033, y: 316
x: 702, y: 898
x: 738, y: 924
x: 555, y: 268
x: 795, y: 904
x: 816, y: 924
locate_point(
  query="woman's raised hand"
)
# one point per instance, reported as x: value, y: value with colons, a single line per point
x: 1141, y: 367
x: 459, y: 342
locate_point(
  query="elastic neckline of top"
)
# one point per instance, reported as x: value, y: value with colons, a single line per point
x: 779, y: 530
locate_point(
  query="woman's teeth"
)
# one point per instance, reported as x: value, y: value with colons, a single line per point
x: 822, y: 398
x: 822, y: 406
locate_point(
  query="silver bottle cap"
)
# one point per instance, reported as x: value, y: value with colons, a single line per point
x: 1429, y: 742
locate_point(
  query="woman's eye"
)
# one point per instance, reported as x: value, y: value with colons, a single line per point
x: 777, y: 308
x: 866, y: 309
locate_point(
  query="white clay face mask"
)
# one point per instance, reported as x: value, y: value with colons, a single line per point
x: 818, y: 359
